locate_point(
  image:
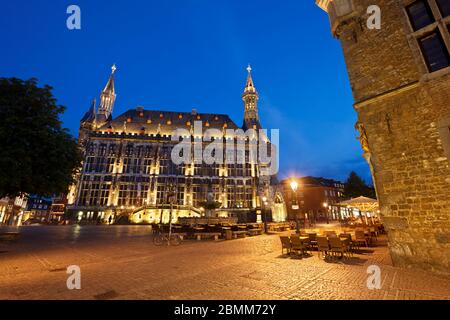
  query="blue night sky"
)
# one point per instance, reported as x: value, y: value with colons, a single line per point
x: 178, y: 55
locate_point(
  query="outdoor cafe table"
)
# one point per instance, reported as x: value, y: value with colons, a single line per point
x: 303, y: 238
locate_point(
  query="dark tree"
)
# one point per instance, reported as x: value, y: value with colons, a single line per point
x: 355, y: 186
x: 37, y: 155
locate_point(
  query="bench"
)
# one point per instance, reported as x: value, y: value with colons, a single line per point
x: 239, y: 233
x: 201, y: 235
x: 9, y: 236
x: 254, y: 232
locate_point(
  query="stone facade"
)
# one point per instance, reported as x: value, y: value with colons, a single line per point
x: 404, y: 119
x: 128, y: 172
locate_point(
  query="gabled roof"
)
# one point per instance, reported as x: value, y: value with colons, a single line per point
x: 319, y: 181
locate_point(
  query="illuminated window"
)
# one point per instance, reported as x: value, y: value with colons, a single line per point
x: 420, y: 14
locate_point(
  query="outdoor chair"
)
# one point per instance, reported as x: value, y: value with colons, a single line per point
x: 380, y: 229
x: 349, y: 238
x: 346, y: 235
x: 360, y: 237
x: 285, y: 244
x: 298, y: 245
x: 312, y: 240
x: 373, y: 233
x: 322, y: 246
x: 331, y: 234
x: 338, y: 246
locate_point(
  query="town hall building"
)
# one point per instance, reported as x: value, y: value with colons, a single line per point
x: 128, y: 173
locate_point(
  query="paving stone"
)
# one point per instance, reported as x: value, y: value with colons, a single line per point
x: 126, y: 265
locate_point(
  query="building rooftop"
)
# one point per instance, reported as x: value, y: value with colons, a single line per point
x: 316, y: 182
x: 139, y: 120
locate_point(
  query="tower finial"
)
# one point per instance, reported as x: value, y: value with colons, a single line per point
x: 113, y: 68
x: 249, y: 86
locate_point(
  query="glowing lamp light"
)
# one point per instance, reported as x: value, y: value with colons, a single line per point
x: 294, y: 185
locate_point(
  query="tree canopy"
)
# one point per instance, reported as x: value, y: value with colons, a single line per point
x: 37, y: 155
x: 355, y: 186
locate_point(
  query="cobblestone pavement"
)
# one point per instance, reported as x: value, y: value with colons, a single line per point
x: 120, y: 262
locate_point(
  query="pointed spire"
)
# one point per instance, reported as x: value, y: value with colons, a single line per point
x: 249, y: 86
x: 250, y: 98
x: 109, y: 88
x: 89, y: 116
x: 107, y: 97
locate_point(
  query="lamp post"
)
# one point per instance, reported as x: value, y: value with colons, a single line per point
x: 264, y: 200
x: 325, y: 205
x: 294, y: 187
x: 172, y: 198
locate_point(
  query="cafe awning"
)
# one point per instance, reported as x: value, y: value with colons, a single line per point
x: 361, y: 203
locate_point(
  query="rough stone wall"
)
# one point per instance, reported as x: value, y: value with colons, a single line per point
x: 401, y: 109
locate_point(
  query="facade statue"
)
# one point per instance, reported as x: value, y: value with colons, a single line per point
x: 362, y: 137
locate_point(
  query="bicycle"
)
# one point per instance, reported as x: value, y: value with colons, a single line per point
x: 160, y: 238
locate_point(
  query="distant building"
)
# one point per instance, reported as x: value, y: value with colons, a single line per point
x: 58, y: 208
x: 128, y: 172
x: 37, y: 209
x: 12, y: 210
x: 317, y: 198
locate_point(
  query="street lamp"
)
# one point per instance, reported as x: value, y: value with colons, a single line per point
x: 264, y: 200
x: 294, y: 187
x: 325, y: 205
x: 172, y: 199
